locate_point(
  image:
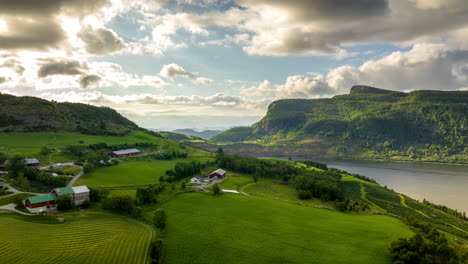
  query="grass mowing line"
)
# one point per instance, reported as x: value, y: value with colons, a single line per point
x: 375, y: 207
x: 56, y: 243
x: 402, y: 200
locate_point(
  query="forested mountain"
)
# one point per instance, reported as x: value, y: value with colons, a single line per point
x: 367, y: 123
x: 31, y: 114
x: 205, y: 134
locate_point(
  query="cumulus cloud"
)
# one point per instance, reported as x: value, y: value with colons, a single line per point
x: 426, y: 66
x: 172, y: 71
x: 60, y: 67
x: 36, y: 25
x: 320, y: 27
x: 88, y: 80
x: 100, y: 41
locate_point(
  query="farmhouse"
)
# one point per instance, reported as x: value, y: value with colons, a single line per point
x: 80, y: 194
x: 124, y: 153
x: 32, y: 162
x: 47, y: 202
x: 39, y: 203
x: 218, y: 174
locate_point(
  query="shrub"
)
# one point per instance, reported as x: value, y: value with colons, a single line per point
x: 160, y: 218
x: 216, y: 189
x: 304, y: 195
x: 155, y: 251
x: 64, y: 203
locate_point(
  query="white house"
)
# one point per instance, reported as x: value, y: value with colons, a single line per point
x: 81, y: 194
x: 194, y: 180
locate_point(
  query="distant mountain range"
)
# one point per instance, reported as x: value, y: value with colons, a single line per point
x: 205, y: 134
x: 367, y: 123
x: 31, y: 114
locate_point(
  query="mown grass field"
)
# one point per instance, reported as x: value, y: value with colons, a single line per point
x: 130, y: 173
x: 88, y: 238
x: 29, y: 144
x: 247, y: 229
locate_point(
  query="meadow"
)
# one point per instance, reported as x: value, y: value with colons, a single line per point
x: 83, y: 238
x: 131, y: 173
x: 29, y: 144
x: 247, y: 229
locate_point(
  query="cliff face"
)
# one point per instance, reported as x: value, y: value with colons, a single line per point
x: 368, y: 121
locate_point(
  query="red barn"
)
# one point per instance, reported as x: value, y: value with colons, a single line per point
x: 36, y: 203
x: 124, y: 153
x: 218, y: 174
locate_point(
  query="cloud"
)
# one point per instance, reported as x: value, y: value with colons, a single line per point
x: 202, y: 80
x: 37, y: 25
x: 172, y: 71
x: 4, y: 79
x: 88, y: 80
x: 14, y: 65
x: 60, y: 67
x: 426, y: 66
x: 100, y: 41
x: 322, y: 27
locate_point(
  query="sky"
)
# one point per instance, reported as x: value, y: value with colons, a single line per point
x: 169, y: 64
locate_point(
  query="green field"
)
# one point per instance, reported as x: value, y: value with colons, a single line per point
x: 89, y: 238
x: 132, y: 173
x: 246, y: 229
x: 29, y: 144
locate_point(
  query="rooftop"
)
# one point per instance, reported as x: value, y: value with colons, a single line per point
x: 126, y: 151
x: 31, y: 161
x: 64, y: 190
x: 80, y: 189
x: 219, y: 171
x: 42, y: 198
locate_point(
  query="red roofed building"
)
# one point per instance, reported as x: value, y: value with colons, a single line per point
x: 124, y: 153
x: 218, y: 174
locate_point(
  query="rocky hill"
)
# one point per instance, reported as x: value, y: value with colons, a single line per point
x: 31, y: 114
x: 367, y: 123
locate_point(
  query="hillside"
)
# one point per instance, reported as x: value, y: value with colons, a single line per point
x: 367, y: 123
x: 205, y: 134
x: 178, y: 136
x: 31, y: 114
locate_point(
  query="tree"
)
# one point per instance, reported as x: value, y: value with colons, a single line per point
x: 156, y: 250
x: 173, y: 187
x: 255, y: 178
x: 147, y: 195
x: 18, y: 201
x: 23, y: 182
x: 160, y: 218
x: 17, y: 165
x: 64, y: 203
x: 3, y: 157
x: 216, y: 189
x: 96, y: 195
x: 220, y: 152
x: 183, y: 186
x: 45, y: 151
x: 88, y: 167
x: 124, y: 204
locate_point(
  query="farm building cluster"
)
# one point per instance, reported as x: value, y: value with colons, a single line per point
x: 218, y: 174
x: 48, y: 202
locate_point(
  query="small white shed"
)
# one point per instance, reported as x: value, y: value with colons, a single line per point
x: 194, y: 180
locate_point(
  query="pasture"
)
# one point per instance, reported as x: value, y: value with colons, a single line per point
x: 131, y: 173
x: 246, y: 229
x: 29, y: 144
x: 89, y: 238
